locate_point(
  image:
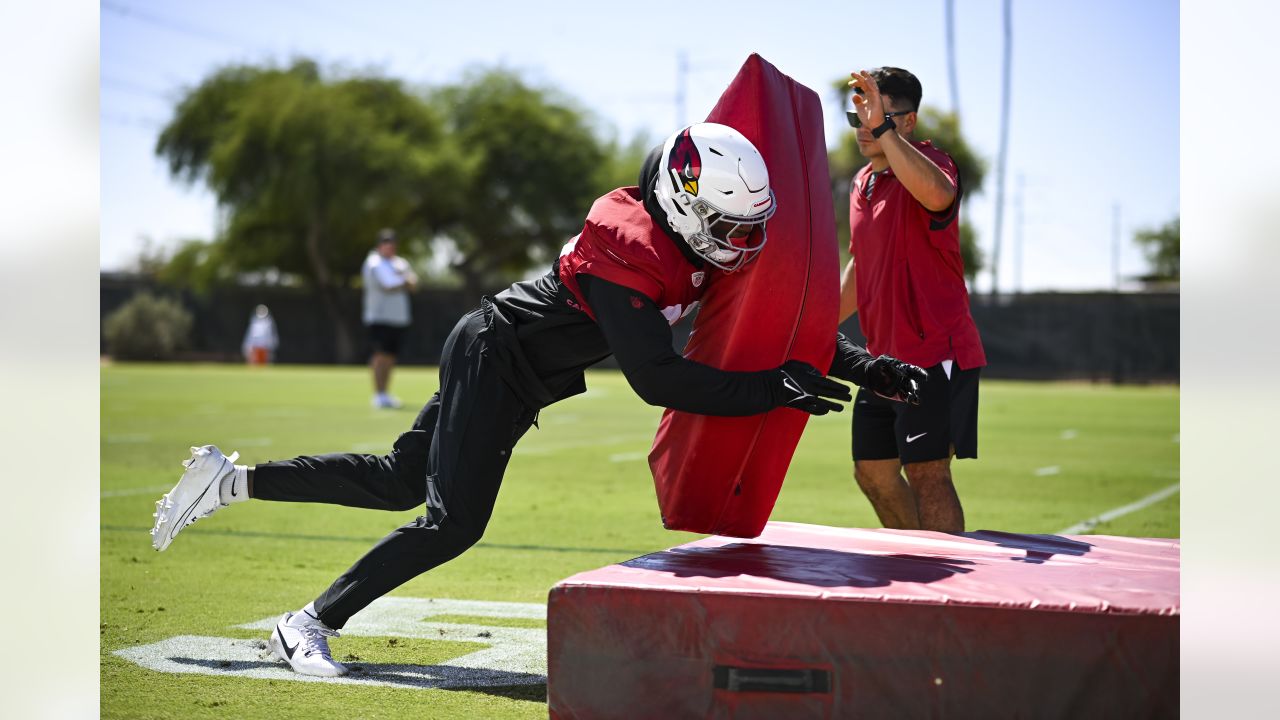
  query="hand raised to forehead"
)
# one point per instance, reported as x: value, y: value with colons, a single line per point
x: 869, y: 104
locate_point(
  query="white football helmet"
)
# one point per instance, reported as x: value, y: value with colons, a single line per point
x: 714, y: 188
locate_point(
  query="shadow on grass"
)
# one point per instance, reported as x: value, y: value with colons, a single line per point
x: 513, y: 685
x: 524, y: 693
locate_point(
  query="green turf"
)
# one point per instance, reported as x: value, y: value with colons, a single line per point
x: 577, y: 496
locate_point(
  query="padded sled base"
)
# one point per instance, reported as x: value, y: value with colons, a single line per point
x: 813, y: 621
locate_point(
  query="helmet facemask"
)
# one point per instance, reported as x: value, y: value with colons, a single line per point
x: 728, y: 241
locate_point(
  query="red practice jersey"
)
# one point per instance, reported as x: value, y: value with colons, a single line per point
x: 912, y: 300
x: 621, y: 243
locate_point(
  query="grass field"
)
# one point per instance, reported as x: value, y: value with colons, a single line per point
x: 577, y: 496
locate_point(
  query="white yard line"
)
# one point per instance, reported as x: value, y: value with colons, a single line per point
x: 506, y: 656
x: 1110, y: 515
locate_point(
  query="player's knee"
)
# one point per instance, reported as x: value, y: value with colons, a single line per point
x: 409, y: 490
x: 862, y: 477
x: 408, y: 500
x: 408, y: 462
x: 467, y: 533
x: 933, y: 472
x: 868, y: 476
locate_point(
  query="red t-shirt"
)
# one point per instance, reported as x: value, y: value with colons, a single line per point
x: 912, y: 300
x: 620, y: 243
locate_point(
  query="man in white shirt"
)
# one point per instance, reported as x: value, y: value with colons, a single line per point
x: 388, y: 280
x: 260, y: 339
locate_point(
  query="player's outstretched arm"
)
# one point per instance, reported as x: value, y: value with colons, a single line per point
x: 886, y: 376
x: 640, y: 339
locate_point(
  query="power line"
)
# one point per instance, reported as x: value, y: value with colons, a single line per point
x: 130, y: 13
x: 130, y: 121
x: 408, y: 42
x: 130, y: 87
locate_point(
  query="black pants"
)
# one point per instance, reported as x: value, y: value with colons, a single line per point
x: 453, y: 459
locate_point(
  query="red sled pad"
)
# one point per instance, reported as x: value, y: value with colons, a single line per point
x: 722, y: 475
x: 812, y: 621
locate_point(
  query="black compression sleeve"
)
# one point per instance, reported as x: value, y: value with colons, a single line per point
x: 640, y: 339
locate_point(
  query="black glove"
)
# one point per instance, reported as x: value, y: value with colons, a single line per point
x: 893, y: 379
x: 850, y: 361
x: 799, y: 385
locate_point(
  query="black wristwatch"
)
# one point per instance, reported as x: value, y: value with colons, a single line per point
x: 888, y: 125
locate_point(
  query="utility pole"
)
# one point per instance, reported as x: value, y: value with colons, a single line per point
x: 682, y: 80
x: 1115, y: 247
x: 1004, y: 145
x: 1017, y: 237
x: 952, y: 73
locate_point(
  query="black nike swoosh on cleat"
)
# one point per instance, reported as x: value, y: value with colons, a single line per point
x: 191, y: 508
x: 288, y: 651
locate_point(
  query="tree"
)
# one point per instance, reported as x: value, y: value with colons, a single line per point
x: 306, y: 170
x: 943, y: 128
x: 1161, y: 248
x: 147, y: 328
x: 623, y: 161
x: 534, y: 166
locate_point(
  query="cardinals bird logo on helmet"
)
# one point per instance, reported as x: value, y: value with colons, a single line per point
x: 716, y: 193
x: 685, y: 163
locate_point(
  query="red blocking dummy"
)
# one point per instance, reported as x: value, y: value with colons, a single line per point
x: 722, y: 475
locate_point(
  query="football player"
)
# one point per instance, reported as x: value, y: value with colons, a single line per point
x: 645, y: 256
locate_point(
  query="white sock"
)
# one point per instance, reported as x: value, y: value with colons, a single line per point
x: 235, y: 486
x: 307, y: 616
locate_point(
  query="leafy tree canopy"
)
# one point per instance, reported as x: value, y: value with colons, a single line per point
x: 306, y: 170
x: 533, y: 166
x: 1162, y: 248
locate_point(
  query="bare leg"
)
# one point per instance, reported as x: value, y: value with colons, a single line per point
x: 935, y: 495
x: 888, y: 492
x: 382, y: 363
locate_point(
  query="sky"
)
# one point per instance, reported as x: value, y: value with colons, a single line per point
x: 1094, y: 94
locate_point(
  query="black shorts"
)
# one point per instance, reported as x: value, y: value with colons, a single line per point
x: 947, y: 415
x: 386, y: 338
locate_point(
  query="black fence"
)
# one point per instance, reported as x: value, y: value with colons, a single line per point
x: 1111, y: 337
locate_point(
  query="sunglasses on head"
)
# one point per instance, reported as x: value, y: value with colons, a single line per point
x: 856, y: 122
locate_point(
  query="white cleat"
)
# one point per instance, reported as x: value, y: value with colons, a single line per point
x: 195, y: 496
x: 303, y: 642
x: 387, y: 402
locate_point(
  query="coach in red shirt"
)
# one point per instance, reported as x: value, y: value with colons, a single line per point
x: 906, y: 282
